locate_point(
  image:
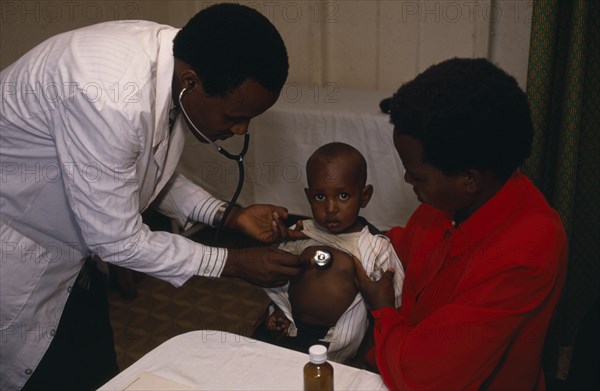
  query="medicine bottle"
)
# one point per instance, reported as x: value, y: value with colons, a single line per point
x: 318, y: 373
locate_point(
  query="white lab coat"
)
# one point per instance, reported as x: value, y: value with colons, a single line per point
x: 85, y: 147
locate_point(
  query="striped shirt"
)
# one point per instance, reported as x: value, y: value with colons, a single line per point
x: 376, y: 255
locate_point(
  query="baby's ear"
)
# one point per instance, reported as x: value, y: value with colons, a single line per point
x: 367, y: 193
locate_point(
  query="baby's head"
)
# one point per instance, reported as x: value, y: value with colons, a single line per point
x: 337, y: 190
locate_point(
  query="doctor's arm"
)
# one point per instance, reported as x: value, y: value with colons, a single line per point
x: 99, y: 147
x: 187, y: 202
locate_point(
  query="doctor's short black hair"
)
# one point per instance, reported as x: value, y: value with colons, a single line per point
x: 468, y: 114
x: 229, y: 43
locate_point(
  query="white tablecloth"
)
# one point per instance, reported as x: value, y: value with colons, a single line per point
x: 282, y: 139
x: 217, y: 360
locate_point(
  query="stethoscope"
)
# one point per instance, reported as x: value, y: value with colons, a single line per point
x: 238, y: 158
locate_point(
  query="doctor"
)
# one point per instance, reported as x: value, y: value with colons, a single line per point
x: 90, y: 133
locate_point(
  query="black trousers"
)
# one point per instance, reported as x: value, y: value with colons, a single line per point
x: 82, y: 355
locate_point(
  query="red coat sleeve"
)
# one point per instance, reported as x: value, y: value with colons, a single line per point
x: 396, y: 236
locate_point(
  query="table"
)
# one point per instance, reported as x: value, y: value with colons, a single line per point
x: 218, y: 360
x: 282, y: 139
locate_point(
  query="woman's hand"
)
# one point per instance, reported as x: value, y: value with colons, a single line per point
x: 262, y: 222
x: 377, y: 294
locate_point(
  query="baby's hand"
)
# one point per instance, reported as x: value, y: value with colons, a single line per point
x: 278, y: 323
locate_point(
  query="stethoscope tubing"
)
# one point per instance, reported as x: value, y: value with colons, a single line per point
x: 238, y: 158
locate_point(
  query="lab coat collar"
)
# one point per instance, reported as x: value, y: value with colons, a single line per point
x: 164, y: 79
x: 167, y: 144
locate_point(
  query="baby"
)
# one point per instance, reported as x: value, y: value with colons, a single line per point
x: 323, y: 305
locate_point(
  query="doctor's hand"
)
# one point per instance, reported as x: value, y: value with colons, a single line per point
x: 262, y: 222
x: 263, y: 266
x: 377, y: 294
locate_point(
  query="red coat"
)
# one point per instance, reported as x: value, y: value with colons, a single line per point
x: 477, y: 299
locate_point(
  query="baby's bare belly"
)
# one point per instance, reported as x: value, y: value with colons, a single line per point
x: 320, y: 297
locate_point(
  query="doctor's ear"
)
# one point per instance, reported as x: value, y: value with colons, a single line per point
x: 189, y: 79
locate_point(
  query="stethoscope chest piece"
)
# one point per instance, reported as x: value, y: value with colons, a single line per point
x: 323, y: 259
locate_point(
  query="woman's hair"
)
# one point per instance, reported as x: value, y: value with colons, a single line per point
x: 228, y: 43
x: 468, y: 114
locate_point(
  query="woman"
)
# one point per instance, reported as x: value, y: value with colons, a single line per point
x: 485, y: 255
